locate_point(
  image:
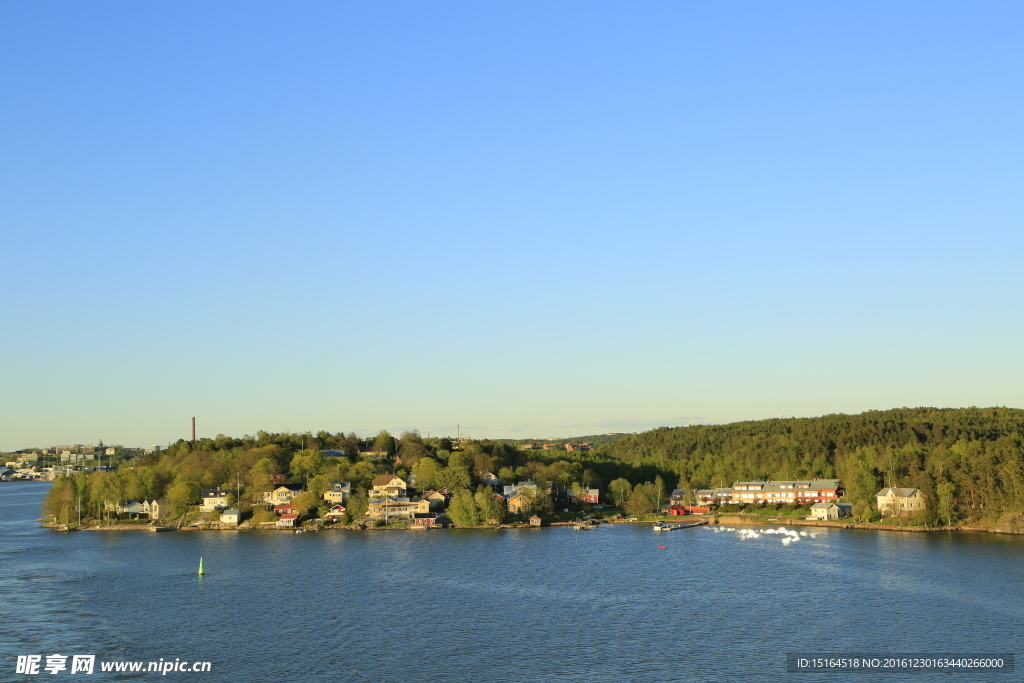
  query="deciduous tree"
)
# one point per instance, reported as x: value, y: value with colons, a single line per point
x: 463, y: 510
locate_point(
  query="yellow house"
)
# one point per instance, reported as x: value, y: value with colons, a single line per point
x: 338, y: 493
x: 282, y: 494
x: 388, y: 486
x: 397, y: 508
x: 894, y: 502
x: 518, y: 503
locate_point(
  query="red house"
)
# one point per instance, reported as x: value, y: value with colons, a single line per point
x: 287, y: 520
x: 335, y: 514
x: 679, y: 510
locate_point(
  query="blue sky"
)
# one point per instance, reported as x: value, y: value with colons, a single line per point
x: 530, y: 219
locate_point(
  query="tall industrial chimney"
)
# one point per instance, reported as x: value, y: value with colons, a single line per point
x: 193, y: 429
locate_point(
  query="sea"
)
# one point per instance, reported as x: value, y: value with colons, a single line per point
x: 618, y: 603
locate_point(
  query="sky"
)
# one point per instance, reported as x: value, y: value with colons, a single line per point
x: 518, y: 220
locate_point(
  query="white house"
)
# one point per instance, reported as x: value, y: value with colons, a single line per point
x: 831, y: 510
x: 230, y: 516
x: 214, y: 499
x: 157, y: 508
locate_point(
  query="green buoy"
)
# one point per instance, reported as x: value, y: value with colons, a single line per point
x: 201, y: 572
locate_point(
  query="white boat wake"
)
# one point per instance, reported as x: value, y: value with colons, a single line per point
x: 787, y: 535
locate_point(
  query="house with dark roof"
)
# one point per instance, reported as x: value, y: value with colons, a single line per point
x: 424, y: 519
x: 388, y: 486
x: 214, y: 499
x: 231, y: 516
x: 132, y: 507
x: 831, y: 510
x: 339, y: 492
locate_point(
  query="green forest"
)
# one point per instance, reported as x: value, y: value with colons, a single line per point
x: 968, y: 462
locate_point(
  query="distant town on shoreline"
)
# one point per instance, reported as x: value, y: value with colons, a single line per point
x: 924, y: 467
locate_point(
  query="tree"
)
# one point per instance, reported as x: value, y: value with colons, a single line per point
x: 318, y: 484
x: 181, y: 495
x: 427, y: 473
x: 591, y: 479
x: 307, y: 463
x: 482, y: 464
x: 460, y: 459
x: 411, y: 448
x: 507, y: 475
x: 358, y: 504
x: 542, y: 503
x: 463, y: 510
x: 261, y: 478
x: 60, y: 499
x: 362, y: 473
x: 453, y: 478
x: 384, y: 443
x: 350, y: 446
x: 944, y: 493
x: 490, y: 509
x: 307, y: 500
x: 621, y: 490
x: 642, y: 500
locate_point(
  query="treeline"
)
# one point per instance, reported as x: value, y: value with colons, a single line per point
x: 247, y: 466
x: 968, y: 462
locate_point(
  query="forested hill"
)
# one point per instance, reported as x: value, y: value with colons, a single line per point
x: 978, y: 451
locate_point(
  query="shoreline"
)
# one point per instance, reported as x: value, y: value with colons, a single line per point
x: 723, y: 520
x: 740, y: 520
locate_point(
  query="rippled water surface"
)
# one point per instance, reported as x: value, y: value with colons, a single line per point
x: 529, y: 605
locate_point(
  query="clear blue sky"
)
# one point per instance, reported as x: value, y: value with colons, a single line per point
x: 531, y: 218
